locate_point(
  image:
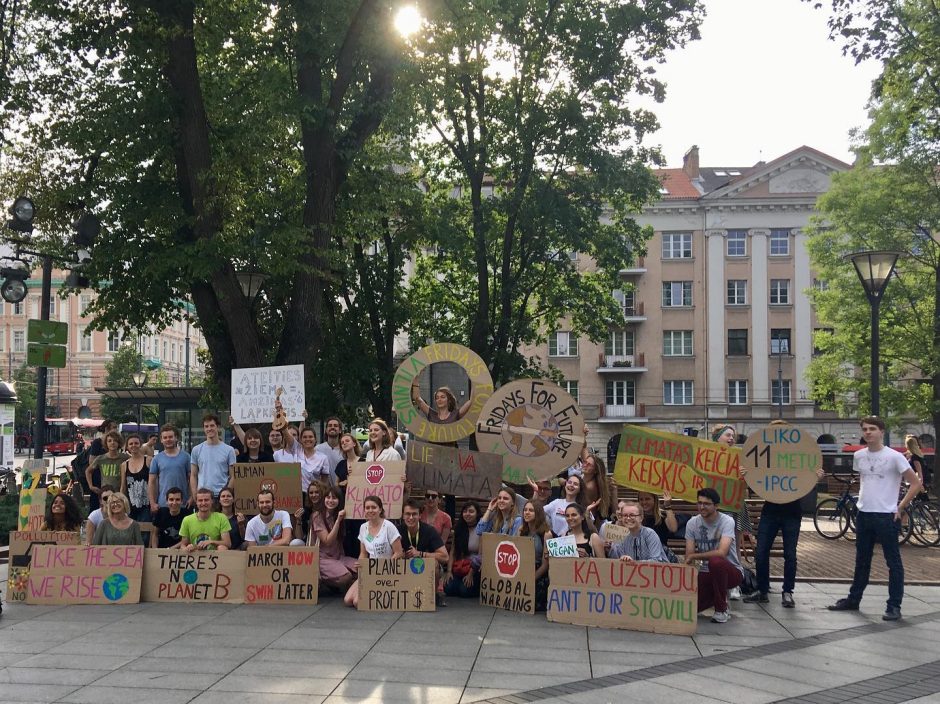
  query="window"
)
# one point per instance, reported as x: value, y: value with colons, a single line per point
x: 779, y: 243
x: 114, y: 341
x: 737, y: 342
x: 627, y: 300
x: 677, y: 245
x: 620, y: 393
x: 780, y: 391
x: 737, y: 392
x: 50, y: 376
x: 779, y: 291
x: 156, y: 347
x: 677, y: 393
x: 572, y: 388
x: 3, y: 340
x: 173, y: 353
x: 560, y: 344
x: 780, y: 341
x: 84, y: 377
x: 562, y: 256
x: 620, y: 342
x: 84, y: 301
x: 820, y: 284
x: 85, y: 340
x: 164, y: 351
x: 19, y: 341
x: 737, y: 243
x: 19, y: 308
x: 737, y: 292
x: 52, y: 300
x: 677, y: 343
x: 677, y: 293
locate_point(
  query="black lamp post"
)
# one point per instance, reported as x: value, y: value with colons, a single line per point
x: 140, y: 378
x: 251, y: 280
x: 874, y: 269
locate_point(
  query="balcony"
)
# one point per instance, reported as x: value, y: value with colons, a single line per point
x: 634, y: 313
x: 621, y: 363
x: 610, y: 413
x: 638, y: 269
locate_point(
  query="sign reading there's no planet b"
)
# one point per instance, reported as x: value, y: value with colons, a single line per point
x: 254, y: 390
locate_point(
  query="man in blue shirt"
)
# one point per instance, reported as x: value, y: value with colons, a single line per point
x: 169, y: 469
x: 212, y: 460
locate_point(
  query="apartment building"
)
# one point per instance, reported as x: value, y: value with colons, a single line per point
x: 71, y: 390
x: 718, y: 326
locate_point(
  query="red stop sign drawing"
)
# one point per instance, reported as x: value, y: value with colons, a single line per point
x: 507, y: 559
x: 375, y: 473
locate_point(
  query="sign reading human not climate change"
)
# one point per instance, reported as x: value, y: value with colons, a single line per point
x: 250, y: 478
x: 72, y: 574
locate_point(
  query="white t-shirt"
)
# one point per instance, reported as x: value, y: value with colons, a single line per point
x: 95, y: 517
x: 313, y: 468
x: 292, y: 455
x: 381, y: 544
x: 555, y: 513
x: 333, y: 454
x: 262, y: 533
x: 880, y: 474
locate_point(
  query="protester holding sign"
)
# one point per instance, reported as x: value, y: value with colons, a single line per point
x: 660, y: 516
x: 351, y: 451
x: 641, y: 543
x: 420, y: 539
x: 378, y: 538
x: 314, y: 466
x: 535, y: 524
x: 464, y: 564
x: 205, y: 529
x: 269, y: 527
x: 589, y: 543
x: 336, y: 569
x: 62, y: 514
x: 500, y: 516
x: 381, y: 443
x: 236, y: 520
x: 555, y: 510
x: 118, y: 528
x: 445, y: 405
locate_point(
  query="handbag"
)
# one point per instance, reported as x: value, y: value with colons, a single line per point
x: 748, y: 582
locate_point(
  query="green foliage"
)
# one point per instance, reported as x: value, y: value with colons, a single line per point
x: 25, y: 380
x: 119, y: 373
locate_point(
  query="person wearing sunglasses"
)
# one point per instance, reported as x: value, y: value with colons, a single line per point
x: 641, y: 543
x: 433, y: 516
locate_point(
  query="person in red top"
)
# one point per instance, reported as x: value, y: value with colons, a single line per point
x: 433, y: 516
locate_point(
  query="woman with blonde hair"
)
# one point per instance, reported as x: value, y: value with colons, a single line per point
x: 500, y: 516
x: 597, y: 490
x: 915, y: 457
x: 381, y: 443
x: 535, y: 524
x: 117, y: 527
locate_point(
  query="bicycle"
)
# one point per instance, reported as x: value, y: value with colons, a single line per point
x: 835, y: 518
x: 925, y: 525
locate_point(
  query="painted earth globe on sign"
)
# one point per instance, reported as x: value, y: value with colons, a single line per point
x: 530, y: 431
x: 115, y: 587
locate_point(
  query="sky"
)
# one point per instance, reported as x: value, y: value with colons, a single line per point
x: 763, y: 80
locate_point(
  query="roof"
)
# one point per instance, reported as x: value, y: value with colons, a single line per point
x: 154, y: 394
x: 676, y: 184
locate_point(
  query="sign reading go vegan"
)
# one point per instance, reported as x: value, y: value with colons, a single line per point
x: 651, y: 460
x: 481, y: 387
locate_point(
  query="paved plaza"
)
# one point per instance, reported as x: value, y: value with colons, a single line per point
x: 204, y: 653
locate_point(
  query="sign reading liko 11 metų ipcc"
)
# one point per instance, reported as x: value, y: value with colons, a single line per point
x: 780, y: 462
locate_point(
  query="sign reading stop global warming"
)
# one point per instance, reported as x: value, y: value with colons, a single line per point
x: 282, y: 575
x: 658, y: 597
x: 72, y: 574
x: 406, y: 584
x: 283, y: 478
x: 22, y: 544
x: 781, y: 463
x: 652, y: 460
x: 535, y: 426
x: 382, y: 479
x: 206, y: 576
x: 453, y: 471
x: 481, y: 386
x: 255, y: 388
x: 507, y: 578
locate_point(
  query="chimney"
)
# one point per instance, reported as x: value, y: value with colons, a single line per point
x: 690, y: 162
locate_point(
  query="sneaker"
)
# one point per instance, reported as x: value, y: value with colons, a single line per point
x: 734, y: 594
x: 439, y: 600
x: 892, y: 613
x: 787, y: 600
x: 756, y: 598
x: 844, y: 605
x: 721, y: 617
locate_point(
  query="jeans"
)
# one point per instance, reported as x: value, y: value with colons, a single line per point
x: 881, y: 527
x: 770, y: 524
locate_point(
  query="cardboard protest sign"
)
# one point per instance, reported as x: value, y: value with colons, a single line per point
x: 535, y: 426
x: 72, y: 574
x: 202, y: 575
x: 255, y: 388
x: 653, y: 460
x: 507, y: 577
x: 22, y: 544
x: 657, y: 597
x: 406, y: 584
x: 781, y: 463
x: 382, y: 479
x: 32, y: 496
x: 565, y: 546
x: 481, y: 386
x: 282, y: 575
x: 283, y: 478
x: 453, y: 471
x: 613, y: 533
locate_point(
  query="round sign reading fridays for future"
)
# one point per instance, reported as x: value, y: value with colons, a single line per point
x: 781, y: 462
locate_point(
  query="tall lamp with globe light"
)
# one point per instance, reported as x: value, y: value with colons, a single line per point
x: 140, y: 378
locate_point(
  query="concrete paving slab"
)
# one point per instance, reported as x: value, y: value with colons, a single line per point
x: 725, y: 691
x: 646, y: 692
x: 276, y: 685
x: 226, y: 698
x: 474, y: 694
x: 32, y: 692
x: 114, y: 695
x: 135, y: 679
x: 305, y: 668
x: 78, y: 662
x: 410, y: 675
x: 49, y: 675
x: 149, y: 663
x: 781, y: 687
x: 396, y: 691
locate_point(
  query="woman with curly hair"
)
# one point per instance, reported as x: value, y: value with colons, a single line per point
x: 62, y: 514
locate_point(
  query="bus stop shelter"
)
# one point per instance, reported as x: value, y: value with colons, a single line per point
x: 178, y: 405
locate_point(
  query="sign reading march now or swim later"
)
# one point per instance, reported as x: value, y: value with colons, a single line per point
x: 254, y: 390
x: 282, y: 575
x: 22, y: 544
x: 781, y: 463
x: 382, y: 479
x: 205, y: 576
x: 652, y: 460
x: 450, y: 470
x: 481, y: 386
x: 72, y: 574
x: 657, y: 597
x: 405, y: 584
x: 283, y: 478
x: 507, y: 577
x: 535, y: 426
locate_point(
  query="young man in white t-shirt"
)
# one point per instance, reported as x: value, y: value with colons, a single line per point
x: 880, y: 470
x: 269, y: 527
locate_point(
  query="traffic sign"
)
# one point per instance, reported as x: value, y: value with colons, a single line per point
x: 49, y: 332
x: 40, y: 355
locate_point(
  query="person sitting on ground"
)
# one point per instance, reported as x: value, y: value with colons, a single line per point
x: 641, y: 543
x: 555, y: 510
x: 205, y: 529
x: 97, y: 516
x: 535, y: 525
x: 326, y: 529
x: 464, y: 564
x: 710, y: 538
x: 433, y: 516
x: 169, y: 520
x: 589, y: 543
x: 271, y: 527
x: 236, y: 519
x: 313, y: 504
x: 118, y: 528
x: 62, y: 514
x: 418, y: 539
x: 378, y: 539
x: 314, y: 466
x: 500, y: 515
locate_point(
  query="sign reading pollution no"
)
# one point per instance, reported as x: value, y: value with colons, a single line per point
x: 651, y: 460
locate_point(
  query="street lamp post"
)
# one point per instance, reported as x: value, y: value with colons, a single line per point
x: 874, y: 269
x: 140, y: 378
